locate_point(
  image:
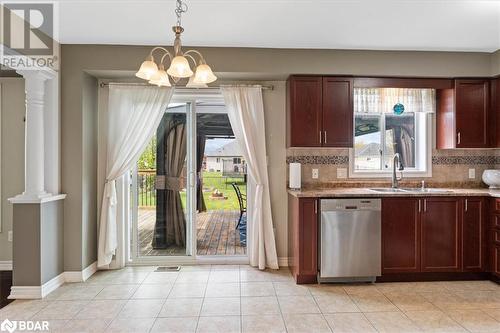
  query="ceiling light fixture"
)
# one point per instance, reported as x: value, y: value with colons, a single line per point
x: 179, y: 67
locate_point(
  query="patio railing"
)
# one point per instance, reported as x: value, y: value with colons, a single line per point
x: 146, y: 190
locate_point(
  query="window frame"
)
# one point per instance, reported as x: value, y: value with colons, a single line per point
x: 423, y: 129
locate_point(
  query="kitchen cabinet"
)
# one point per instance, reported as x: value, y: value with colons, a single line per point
x: 319, y: 111
x: 303, y: 239
x: 400, y: 235
x: 494, y: 231
x: 440, y: 244
x: 473, y: 234
x: 495, y: 112
x: 463, y: 115
x: 304, y: 111
x: 434, y: 234
x: 337, y: 115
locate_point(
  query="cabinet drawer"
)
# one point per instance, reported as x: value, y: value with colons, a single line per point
x: 496, y: 237
x: 495, y: 221
x: 496, y: 205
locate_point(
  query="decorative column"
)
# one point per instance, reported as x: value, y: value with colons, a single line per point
x: 37, y: 216
x: 34, y: 167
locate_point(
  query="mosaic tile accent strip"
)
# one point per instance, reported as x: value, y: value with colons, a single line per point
x: 464, y: 160
x: 312, y: 159
x: 436, y: 160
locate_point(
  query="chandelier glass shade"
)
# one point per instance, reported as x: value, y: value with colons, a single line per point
x: 180, y: 66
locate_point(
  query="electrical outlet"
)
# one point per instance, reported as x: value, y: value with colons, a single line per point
x: 341, y: 173
x: 472, y: 173
x: 315, y: 173
x: 9, y: 236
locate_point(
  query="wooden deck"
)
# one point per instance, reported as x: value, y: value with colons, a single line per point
x: 216, y: 234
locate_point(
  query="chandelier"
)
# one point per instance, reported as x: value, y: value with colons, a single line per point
x: 179, y: 67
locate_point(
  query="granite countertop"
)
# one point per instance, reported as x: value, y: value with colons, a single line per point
x: 366, y: 192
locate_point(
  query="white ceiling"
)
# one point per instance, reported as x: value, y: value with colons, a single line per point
x: 358, y: 24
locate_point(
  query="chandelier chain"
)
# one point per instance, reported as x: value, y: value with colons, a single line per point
x: 180, y: 7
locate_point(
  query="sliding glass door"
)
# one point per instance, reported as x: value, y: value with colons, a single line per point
x: 163, y: 190
x: 188, y: 192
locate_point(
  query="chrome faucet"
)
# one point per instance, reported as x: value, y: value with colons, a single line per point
x: 396, y: 160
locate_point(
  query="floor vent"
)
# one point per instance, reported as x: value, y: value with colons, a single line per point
x: 168, y: 269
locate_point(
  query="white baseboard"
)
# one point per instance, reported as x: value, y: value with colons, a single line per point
x: 6, y: 265
x: 36, y: 292
x: 80, y: 276
x: 283, y: 261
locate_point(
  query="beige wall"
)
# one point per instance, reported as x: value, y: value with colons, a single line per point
x: 12, y: 157
x: 495, y: 63
x: 231, y: 64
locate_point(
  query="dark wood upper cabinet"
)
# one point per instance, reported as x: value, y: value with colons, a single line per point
x: 319, y: 111
x: 472, y: 108
x: 463, y: 115
x: 495, y: 112
x: 337, y: 112
x: 304, y: 108
x: 474, y: 244
x: 440, y: 235
x: 400, y: 235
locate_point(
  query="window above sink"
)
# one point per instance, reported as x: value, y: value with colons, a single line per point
x: 389, y: 121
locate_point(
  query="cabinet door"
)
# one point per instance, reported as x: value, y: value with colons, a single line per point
x: 400, y: 235
x: 304, y: 111
x: 337, y: 112
x: 307, y: 241
x: 440, y: 225
x: 473, y: 234
x: 472, y: 108
x: 495, y: 260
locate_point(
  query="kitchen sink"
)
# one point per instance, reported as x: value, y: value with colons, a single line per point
x: 387, y: 190
x: 409, y: 190
x: 426, y: 190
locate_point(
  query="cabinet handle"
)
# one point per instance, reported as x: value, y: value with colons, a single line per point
x: 316, y: 207
x: 425, y: 205
x: 320, y: 137
x: 419, y: 206
x: 325, y: 136
x: 458, y: 138
x: 466, y: 205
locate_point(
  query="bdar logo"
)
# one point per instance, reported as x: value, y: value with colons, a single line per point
x: 8, y: 326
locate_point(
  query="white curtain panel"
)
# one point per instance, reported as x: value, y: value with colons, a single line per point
x: 246, y: 114
x: 134, y: 113
x: 382, y: 100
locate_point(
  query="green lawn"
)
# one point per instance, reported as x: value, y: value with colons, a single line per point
x: 212, y: 181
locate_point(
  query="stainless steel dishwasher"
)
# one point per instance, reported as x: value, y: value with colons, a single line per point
x: 350, y: 240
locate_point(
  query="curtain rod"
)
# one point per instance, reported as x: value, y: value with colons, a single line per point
x: 102, y: 85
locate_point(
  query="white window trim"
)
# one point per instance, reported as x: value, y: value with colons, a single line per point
x: 353, y: 173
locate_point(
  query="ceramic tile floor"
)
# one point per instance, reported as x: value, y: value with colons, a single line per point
x: 242, y: 299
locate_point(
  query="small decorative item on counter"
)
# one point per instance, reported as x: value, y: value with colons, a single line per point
x: 492, y: 178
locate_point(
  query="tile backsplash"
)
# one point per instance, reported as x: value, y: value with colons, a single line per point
x: 449, y: 167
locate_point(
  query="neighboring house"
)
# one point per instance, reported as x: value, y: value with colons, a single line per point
x: 226, y: 159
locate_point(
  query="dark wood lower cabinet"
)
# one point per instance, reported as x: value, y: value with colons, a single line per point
x: 474, y: 240
x: 434, y: 235
x: 303, y: 239
x: 400, y: 235
x: 441, y: 243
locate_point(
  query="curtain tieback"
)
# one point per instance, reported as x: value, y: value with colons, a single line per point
x: 168, y: 183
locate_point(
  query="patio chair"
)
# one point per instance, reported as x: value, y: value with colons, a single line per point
x: 242, y: 200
